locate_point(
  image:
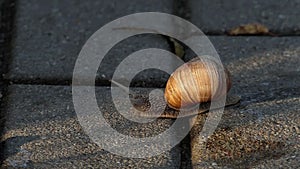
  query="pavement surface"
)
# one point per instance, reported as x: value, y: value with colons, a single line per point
x: 218, y: 16
x: 41, y: 134
x: 38, y: 124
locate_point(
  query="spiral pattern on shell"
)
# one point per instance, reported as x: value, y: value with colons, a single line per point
x: 195, y: 82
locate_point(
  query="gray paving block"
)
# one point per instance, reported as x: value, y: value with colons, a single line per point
x: 6, y: 21
x: 50, y: 34
x: 260, y: 65
x: 264, y: 130
x: 258, y: 60
x: 218, y: 16
x: 271, y: 141
x: 42, y: 131
x: 262, y: 68
x: 259, y: 135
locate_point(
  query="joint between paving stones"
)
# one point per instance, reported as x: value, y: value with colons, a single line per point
x: 7, y: 14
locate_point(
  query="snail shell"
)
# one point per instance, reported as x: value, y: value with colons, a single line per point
x: 195, y: 82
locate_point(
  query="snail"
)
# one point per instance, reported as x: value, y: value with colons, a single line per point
x: 195, y: 83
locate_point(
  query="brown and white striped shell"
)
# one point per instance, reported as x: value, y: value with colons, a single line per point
x: 195, y: 82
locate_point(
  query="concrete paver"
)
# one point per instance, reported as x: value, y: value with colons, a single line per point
x: 264, y: 130
x: 6, y: 19
x: 269, y: 139
x: 42, y: 130
x: 50, y: 34
x: 218, y: 16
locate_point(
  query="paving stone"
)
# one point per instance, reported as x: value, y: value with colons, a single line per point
x: 272, y: 141
x: 218, y: 16
x: 42, y: 131
x: 262, y: 69
x: 263, y: 131
x: 6, y: 21
x: 259, y: 61
x: 50, y: 34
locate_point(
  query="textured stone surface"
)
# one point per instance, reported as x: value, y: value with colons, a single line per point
x: 271, y: 141
x: 264, y: 130
x: 50, y: 34
x: 218, y: 16
x: 42, y: 130
x: 6, y: 22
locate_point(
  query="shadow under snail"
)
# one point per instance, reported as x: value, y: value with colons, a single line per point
x: 196, y: 82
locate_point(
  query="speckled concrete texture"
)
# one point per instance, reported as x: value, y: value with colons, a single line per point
x: 263, y: 131
x: 217, y: 16
x: 42, y: 130
x: 50, y: 34
x: 37, y: 116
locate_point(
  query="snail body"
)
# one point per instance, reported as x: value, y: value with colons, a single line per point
x: 196, y: 81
